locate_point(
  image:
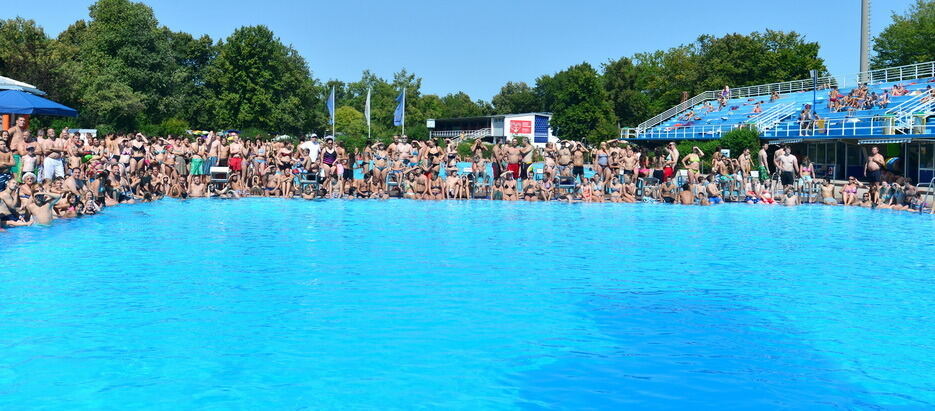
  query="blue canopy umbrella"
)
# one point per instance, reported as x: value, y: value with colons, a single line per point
x: 21, y: 102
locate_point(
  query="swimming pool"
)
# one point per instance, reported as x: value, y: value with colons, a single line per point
x: 271, y: 304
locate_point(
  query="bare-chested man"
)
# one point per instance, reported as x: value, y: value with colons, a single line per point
x: 763, y: 158
x: 53, y: 165
x: 40, y: 207
x: 874, y: 166
x: 746, y: 162
x: 577, y: 159
x: 18, y: 145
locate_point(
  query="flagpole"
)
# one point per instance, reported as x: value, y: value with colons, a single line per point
x: 333, y: 115
x: 404, y: 111
x: 368, y: 116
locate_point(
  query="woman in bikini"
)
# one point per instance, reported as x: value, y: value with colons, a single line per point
x: 806, y: 176
x: 850, y: 191
x: 546, y: 186
x: 692, y: 162
x: 587, y: 192
x: 380, y: 165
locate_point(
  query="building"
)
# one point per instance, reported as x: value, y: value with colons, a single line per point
x: 534, y: 126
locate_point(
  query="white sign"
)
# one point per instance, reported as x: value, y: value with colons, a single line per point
x: 430, y: 123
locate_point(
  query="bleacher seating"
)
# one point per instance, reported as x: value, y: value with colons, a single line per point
x: 783, y: 114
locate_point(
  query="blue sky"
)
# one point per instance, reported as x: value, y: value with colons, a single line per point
x: 477, y: 46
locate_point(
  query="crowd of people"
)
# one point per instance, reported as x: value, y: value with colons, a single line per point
x: 56, y: 174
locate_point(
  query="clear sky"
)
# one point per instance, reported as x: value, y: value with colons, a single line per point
x: 476, y: 46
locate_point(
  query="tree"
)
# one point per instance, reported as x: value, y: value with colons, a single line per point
x: 460, y: 105
x: 908, y: 39
x: 257, y: 81
x: 581, y: 110
x: 26, y: 55
x: 758, y: 58
x: 192, y: 57
x: 351, y: 128
x: 124, y: 52
x: 515, y: 98
x: 350, y: 121
x: 631, y: 105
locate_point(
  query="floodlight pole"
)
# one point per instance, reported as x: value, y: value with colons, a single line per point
x: 864, y: 38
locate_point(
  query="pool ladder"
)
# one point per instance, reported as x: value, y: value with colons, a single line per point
x: 928, y: 197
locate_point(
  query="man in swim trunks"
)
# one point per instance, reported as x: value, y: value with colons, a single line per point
x: 577, y: 156
x: 763, y: 158
x: 874, y: 166
x: 514, y: 156
x: 17, y: 145
x: 788, y: 167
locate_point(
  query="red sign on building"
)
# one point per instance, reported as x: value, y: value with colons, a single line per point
x: 520, y: 126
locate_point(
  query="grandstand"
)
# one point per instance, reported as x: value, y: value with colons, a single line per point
x: 834, y: 138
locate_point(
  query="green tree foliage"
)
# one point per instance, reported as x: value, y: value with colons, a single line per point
x: 26, y: 53
x: 909, y: 39
x: 621, y: 80
x: 515, y: 98
x: 579, y: 102
x: 349, y: 121
x: 741, y: 60
x: 255, y: 80
x: 460, y: 105
x: 126, y: 67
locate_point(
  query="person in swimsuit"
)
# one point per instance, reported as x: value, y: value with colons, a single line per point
x: 850, y: 191
x: 692, y: 162
x: 329, y: 155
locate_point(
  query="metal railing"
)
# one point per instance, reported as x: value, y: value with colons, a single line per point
x: 685, y: 105
x: 861, y: 126
x: 899, y: 73
x: 703, y: 132
x: 782, y: 87
x: 920, y: 106
x: 773, y: 116
x: 457, y: 136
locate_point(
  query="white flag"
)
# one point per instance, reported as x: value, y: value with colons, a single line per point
x: 367, y: 108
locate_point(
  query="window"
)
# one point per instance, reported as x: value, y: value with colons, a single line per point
x: 927, y: 155
x: 854, y: 156
x: 820, y: 154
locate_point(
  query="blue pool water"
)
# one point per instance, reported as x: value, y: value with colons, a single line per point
x: 288, y: 304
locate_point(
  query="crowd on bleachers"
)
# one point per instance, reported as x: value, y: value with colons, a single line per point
x: 855, y: 105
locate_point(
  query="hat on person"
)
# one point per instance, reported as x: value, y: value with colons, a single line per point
x: 29, y: 174
x: 313, y: 135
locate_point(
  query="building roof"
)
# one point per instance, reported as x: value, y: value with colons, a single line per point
x: 541, y: 113
x: 7, y: 83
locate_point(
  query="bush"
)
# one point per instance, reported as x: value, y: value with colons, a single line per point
x: 739, y: 139
x: 464, y: 149
x: 173, y: 126
x: 105, y: 129
x: 253, y: 133
x: 59, y: 123
x: 735, y: 140
x: 150, y: 130
x: 352, y: 142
